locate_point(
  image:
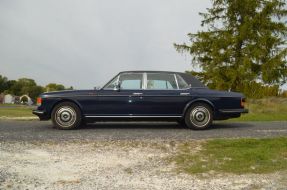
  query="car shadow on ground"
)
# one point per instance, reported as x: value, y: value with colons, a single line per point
x: 230, y: 125
x: 158, y: 125
x: 132, y: 125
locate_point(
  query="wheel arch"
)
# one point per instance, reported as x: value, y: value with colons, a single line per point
x: 66, y: 100
x: 198, y: 100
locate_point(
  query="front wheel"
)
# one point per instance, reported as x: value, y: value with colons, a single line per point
x: 66, y: 115
x: 199, y: 116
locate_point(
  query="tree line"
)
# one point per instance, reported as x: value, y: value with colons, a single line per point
x: 27, y: 86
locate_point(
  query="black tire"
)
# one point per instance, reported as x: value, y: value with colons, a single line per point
x: 199, y: 116
x: 66, y: 115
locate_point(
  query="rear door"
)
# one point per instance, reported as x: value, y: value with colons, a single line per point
x: 165, y: 95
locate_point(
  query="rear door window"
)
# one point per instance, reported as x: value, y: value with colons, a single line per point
x: 161, y: 81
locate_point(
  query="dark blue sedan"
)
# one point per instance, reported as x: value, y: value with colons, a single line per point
x: 142, y: 95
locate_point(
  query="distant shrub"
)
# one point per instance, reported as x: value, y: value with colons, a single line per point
x: 284, y: 94
x: 258, y: 90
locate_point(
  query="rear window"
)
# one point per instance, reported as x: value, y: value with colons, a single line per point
x: 181, y: 82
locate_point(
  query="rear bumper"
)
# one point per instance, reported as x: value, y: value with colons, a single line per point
x: 223, y: 114
x: 41, y: 114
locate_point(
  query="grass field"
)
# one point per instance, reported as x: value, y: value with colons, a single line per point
x: 232, y: 156
x: 18, y: 111
x: 268, y: 109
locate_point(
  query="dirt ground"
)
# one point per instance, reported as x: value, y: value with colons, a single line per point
x: 111, y: 165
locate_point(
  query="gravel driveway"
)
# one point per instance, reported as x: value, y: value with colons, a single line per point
x: 43, y: 131
x: 112, y: 165
x: 33, y: 155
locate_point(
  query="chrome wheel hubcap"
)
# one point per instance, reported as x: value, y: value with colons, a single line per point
x: 65, y: 116
x: 200, y: 116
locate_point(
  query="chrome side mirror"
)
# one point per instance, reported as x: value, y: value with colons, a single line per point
x: 117, y: 86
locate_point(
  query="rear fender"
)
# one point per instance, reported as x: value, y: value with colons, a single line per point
x: 203, y: 100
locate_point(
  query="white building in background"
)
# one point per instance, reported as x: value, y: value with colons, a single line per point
x: 9, y: 99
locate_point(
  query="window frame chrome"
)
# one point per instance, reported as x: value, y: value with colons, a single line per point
x: 144, y: 81
x: 142, y: 85
x: 176, y: 81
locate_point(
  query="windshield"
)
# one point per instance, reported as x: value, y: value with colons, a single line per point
x: 112, y: 83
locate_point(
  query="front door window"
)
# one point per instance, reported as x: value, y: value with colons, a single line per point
x: 131, y: 81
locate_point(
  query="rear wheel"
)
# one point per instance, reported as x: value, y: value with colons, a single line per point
x: 66, y: 115
x: 199, y: 116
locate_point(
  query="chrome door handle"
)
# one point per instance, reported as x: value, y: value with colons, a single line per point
x: 184, y: 94
x: 137, y: 93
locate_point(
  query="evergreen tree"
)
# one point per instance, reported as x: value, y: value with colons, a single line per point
x: 244, y: 41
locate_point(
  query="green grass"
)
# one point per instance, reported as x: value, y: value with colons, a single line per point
x: 233, y: 156
x: 268, y: 109
x: 21, y: 111
x: 11, y: 105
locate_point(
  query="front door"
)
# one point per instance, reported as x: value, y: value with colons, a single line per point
x: 120, y: 100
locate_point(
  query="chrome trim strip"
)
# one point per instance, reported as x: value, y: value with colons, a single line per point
x: 118, y: 79
x: 127, y: 95
x: 132, y: 116
x: 184, y: 93
x: 234, y: 110
x: 38, y: 112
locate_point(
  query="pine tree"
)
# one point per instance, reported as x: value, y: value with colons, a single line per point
x: 244, y: 41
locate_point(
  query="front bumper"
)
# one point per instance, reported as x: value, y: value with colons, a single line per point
x: 41, y: 114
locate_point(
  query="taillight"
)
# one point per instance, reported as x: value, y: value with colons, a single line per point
x: 39, y: 101
x: 242, y: 103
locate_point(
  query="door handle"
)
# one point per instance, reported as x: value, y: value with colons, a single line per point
x: 137, y: 93
x: 184, y: 94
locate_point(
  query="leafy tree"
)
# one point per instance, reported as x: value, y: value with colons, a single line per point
x: 243, y: 42
x: 35, y: 91
x: 9, y: 83
x: 54, y: 87
x: 22, y: 86
x: 27, y: 86
x: 3, y: 83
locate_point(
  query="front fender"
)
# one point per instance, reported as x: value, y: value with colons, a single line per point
x: 52, y: 102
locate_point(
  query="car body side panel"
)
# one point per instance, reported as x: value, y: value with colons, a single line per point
x: 112, y: 102
x: 164, y: 102
x: 151, y: 102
